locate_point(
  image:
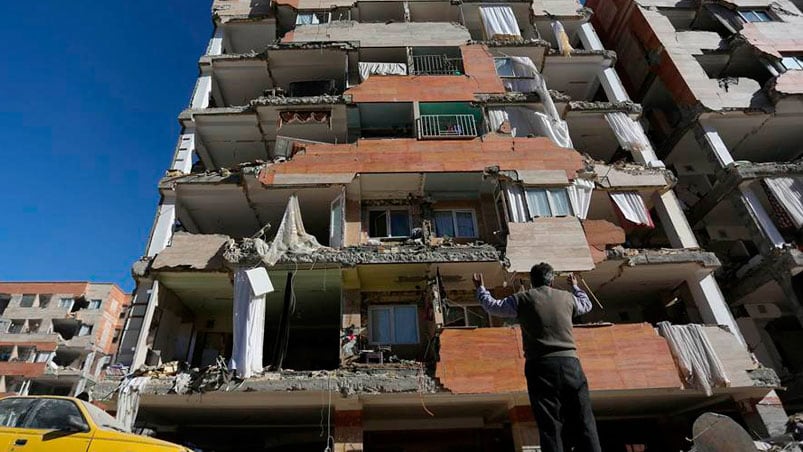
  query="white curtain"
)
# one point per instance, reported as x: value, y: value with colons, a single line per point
x: 499, y: 22
x: 789, y: 192
x: 562, y: 38
x: 368, y: 69
x: 250, y: 288
x: 291, y: 237
x: 524, y: 122
x: 628, y: 132
x: 696, y: 357
x: 516, y: 203
x: 632, y: 207
x: 128, y: 400
x: 496, y: 117
x: 580, y: 196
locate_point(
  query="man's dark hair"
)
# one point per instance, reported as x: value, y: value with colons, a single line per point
x: 542, y: 275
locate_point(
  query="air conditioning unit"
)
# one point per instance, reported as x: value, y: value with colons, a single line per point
x: 763, y: 310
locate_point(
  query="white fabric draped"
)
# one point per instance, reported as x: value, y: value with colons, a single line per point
x: 499, y: 22
x: 291, y: 237
x: 789, y: 192
x: 516, y: 203
x: 368, y: 69
x: 562, y: 38
x: 580, y: 196
x: 632, y: 206
x: 128, y: 400
x: 696, y: 357
x: 496, y: 117
x: 628, y: 132
x: 250, y: 288
x: 524, y: 122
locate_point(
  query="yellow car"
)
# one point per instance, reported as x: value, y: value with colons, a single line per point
x: 66, y: 424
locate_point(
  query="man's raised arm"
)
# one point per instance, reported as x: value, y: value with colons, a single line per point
x: 507, y: 307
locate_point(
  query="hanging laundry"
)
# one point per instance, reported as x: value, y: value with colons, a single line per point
x: 499, y: 23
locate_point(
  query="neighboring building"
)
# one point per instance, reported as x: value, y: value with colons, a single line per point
x: 55, y: 337
x: 371, y: 156
x: 721, y: 83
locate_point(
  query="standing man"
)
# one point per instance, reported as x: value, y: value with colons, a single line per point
x: 556, y: 384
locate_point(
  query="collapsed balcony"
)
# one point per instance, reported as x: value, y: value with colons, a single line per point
x: 280, y: 69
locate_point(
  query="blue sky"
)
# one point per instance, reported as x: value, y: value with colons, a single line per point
x: 90, y: 95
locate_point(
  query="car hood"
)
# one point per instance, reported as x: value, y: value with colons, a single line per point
x: 113, y: 435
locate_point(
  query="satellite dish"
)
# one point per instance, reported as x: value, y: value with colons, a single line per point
x: 717, y: 433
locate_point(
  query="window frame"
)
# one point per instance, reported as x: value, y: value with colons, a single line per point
x: 743, y: 14
x: 550, y: 202
x: 392, y: 308
x: 798, y: 59
x: 319, y: 13
x: 454, y: 212
x: 81, y: 328
x: 95, y: 300
x: 388, y: 211
x: 465, y: 308
x: 30, y: 296
x: 69, y: 303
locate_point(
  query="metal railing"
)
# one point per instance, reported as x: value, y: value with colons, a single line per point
x: 446, y: 126
x: 436, y: 65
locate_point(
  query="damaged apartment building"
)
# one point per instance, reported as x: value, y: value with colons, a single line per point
x: 56, y: 338
x: 721, y: 84
x: 340, y: 174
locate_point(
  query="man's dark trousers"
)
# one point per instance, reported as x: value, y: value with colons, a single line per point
x: 559, y: 398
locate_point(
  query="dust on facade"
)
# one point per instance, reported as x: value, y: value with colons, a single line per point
x: 56, y: 338
x: 341, y: 171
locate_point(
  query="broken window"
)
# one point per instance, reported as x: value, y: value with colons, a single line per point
x: 16, y: 326
x: 95, y: 304
x: 395, y: 324
x: 14, y: 410
x: 66, y: 303
x: 27, y: 300
x: 85, y: 330
x: 43, y: 357
x: 792, y: 63
x: 455, y: 223
x: 756, y: 15
x: 389, y: 223
x: 5, y: 352
x: 44, y: 300
x: 548, y: 202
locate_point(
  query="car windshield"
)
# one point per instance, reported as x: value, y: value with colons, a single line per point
x: 103, y: 419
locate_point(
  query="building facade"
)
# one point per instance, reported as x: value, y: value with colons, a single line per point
x: 721, y: 84
x: 56, y: 337
x: 341, y: 173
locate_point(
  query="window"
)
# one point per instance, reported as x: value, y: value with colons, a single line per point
x: 26, y: 354
x: 27, y: 300
x: 54, y: 414
x: 13, y: 411
x: 5, y: 299
x: 548, y: 202
x: 43, y: 357
x: 313, y: 18
x: 95, y: 304
x: 34, y: 325
x: 756, y: 15
x: 66, y: 303
x: 466, y: 315
x: 389, y: 223
x: 397, y: 324
x: 455, y: 223
x: 85, y: 330
x: 16, y: 326
x: 44, y: 299
x: 5, y: 352
x: 792, y: 63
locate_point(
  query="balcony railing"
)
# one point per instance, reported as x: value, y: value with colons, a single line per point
x: 446, y: 126
x: 436, y: 65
